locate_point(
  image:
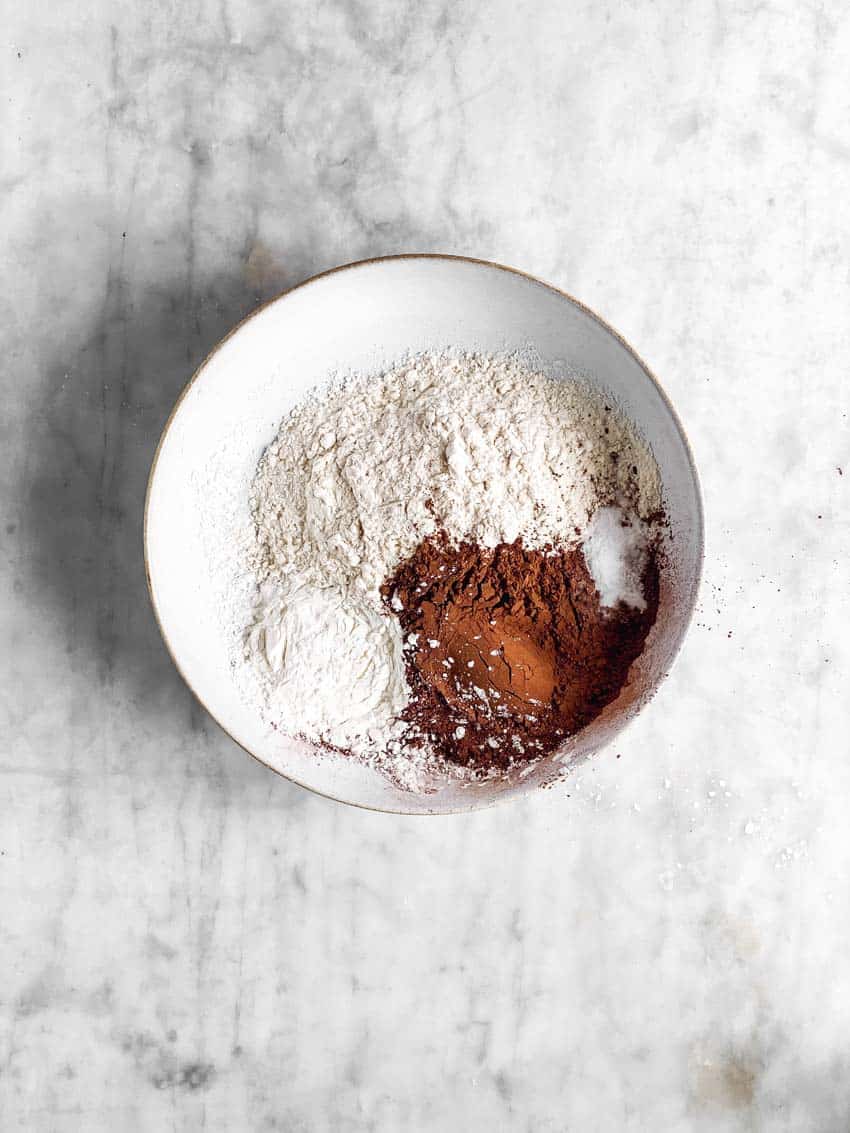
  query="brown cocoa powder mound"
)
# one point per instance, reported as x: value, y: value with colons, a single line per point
x: 508, y: 650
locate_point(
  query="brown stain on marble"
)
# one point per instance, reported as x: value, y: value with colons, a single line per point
x: 726, y: 1082
x: 261, y: 269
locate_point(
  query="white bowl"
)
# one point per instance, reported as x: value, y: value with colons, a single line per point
x: 362, y: 317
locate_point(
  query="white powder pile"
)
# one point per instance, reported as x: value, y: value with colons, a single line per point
x: 338, y: 664
x: 481, y: 447
x: 616, y: 550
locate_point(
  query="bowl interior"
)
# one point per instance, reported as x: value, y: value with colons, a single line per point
x: 361, y: 318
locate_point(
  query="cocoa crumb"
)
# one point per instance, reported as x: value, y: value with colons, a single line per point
x: 512, y: 650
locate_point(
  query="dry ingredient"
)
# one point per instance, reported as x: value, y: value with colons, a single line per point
x: 493, y: 476
x: 337, y: 665
x: 616, y: 550
x: 480, y: 447
x: 509, y: 650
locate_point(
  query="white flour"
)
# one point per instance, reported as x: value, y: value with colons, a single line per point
x: 334, y: 665
x: 479, y: 446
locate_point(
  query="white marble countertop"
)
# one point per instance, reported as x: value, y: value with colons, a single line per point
x: 189, y: 942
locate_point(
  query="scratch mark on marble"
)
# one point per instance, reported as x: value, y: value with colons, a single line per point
x: 446, y: 111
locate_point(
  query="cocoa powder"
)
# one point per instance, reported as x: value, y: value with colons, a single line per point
x: 509, y: 650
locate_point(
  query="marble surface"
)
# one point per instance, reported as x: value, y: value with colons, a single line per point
x: 191, y: 943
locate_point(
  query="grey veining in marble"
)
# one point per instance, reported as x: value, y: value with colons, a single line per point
x: 189, y: 942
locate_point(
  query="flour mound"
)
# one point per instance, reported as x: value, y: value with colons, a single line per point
x: 331, y: 662
x: 480, y: 447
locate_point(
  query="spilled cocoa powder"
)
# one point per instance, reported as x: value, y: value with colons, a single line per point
x: 508, y: 650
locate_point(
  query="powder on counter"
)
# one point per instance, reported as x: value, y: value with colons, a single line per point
x: 510, y: 649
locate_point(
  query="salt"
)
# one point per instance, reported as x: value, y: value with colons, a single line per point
x: 616, y: 551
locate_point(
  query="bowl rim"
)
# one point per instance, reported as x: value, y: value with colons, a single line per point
x: 700, y: 512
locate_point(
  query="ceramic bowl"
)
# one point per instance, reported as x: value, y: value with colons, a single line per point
x: 360, y: 318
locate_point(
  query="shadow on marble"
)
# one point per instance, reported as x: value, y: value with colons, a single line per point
x: 93, y: 440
